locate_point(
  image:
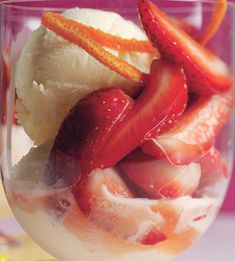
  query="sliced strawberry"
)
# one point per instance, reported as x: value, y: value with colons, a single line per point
x: 195, y: 132
x: 206, y: 73
x: 214, y: 168
x: 161, y: 103
x: 107, y: 202
x: 158, y: 178
x: 154, y: 237
x: 88, y: 190
x: 82, y: 134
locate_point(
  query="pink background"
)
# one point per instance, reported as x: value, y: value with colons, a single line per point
x: 229, y: 204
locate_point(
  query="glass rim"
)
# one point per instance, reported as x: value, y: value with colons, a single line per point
x: 13, y: 4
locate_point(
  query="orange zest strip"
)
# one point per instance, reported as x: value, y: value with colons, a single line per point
x: 216, y: 19
x: 69, y: 30
x: 116, y: 42
x: 121, y: 44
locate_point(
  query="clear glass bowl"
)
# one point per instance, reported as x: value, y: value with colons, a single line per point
x: 109, y: 216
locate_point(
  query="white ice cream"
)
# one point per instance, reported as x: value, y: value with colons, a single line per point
x: 53, y: 74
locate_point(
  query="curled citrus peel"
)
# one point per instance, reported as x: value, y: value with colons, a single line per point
x: 71, y: 31
x: 216, y: 19
x: 116, y: 42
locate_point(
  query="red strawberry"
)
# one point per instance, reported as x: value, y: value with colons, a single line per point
x: 195, y: 132
x: 88, y: 191
x: 214, y: 168
x: 153, y: 237
x: 206, y: 73
x: 83, y: 133
x: 158, y: 178
x: 161, y: 103
x: 109, y: 204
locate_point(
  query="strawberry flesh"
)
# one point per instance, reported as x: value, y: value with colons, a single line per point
x: 82, y: 134
x: 160, y: 104
x: 206, y: 73
x: 88, y: 191
x: 108, y: 203
x: 195, y: 132
x: 159, y: 178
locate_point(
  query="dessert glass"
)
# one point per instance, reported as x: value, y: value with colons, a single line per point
x: 119, y: 226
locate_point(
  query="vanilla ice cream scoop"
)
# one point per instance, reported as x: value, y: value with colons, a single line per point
x: 53, y: 74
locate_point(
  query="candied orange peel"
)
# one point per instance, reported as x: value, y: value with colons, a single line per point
x: 216, y: 19
x: 74, y: 33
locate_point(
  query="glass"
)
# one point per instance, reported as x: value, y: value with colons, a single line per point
x: 8, y: 241
x: 111, y: 214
